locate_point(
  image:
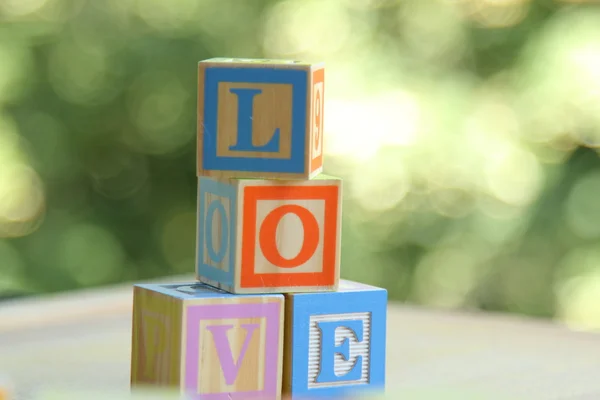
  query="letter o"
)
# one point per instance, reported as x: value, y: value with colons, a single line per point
x: 216, y: 256
x: 268, y: 236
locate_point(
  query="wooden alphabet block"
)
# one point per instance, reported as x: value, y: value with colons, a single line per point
x: 207, y: 343
x: 335, y: 342
x: 260, y: 118
x: 261, y: 236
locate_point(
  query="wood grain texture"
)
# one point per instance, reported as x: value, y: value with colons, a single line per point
x: 85, y: 336
x: 206, y: 342
x: 156, y: 338
x: 268, y: 236
x: 335, y: 342
x: 260, y: 118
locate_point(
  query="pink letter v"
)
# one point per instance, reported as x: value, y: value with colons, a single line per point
x: 228, y: 365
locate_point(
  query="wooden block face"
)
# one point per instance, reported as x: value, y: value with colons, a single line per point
x: 335, y: 342
x: 282, y: 236
x: 257, y: 118
x: 156, y: 339
x: 233, y: 347
x: 228, y: 346
x: 217, y: 229
x: 290, y: 235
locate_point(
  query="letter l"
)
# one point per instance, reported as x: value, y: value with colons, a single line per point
x: 244, y: 124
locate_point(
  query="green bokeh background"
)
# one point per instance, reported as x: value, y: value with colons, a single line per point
x: 466, y: 133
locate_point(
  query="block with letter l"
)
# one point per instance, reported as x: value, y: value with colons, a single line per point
x: 335, y: 342
x: 209, y: 344
x: 261, y: 236
x: 260, y: 118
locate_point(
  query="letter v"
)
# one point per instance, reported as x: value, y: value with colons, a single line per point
x: 229, y: 367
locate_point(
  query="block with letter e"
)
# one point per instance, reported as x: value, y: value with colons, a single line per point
x: 260, y: 118
x: 269, y: 236
x: 335, y: 342
x: 207, y: 343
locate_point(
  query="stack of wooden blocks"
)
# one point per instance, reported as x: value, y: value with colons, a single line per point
x: 268, y: 316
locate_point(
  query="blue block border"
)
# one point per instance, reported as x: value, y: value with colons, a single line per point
x: 297, y: 78
x: 206, y: 186
x: 307, y: 305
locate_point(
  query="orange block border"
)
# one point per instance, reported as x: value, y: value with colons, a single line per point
x: 317, y: 162
x: 251, y: 195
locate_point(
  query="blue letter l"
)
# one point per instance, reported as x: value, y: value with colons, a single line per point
x: 244, y: 123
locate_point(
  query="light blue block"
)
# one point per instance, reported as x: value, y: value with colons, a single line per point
x: 222, y: 211
x: 356, y: 314
x: 296, y: 78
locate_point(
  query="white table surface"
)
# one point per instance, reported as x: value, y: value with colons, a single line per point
x: 81, y: 341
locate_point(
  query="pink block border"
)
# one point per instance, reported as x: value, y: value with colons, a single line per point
x: 195, y: 314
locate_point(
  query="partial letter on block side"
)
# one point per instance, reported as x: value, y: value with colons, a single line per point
x: 335, y: 342
x: 260, y: 118
x: 268, y: 236
x: 207, y: 343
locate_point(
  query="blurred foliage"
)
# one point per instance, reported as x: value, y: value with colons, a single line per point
x: 466, y: 131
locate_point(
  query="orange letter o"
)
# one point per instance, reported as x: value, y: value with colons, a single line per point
x: 268, y: 236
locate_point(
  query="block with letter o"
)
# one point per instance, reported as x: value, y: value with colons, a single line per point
x: 286, y: 237
x: 260, y: 118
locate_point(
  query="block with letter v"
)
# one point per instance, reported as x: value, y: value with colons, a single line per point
x: 210, y: 344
